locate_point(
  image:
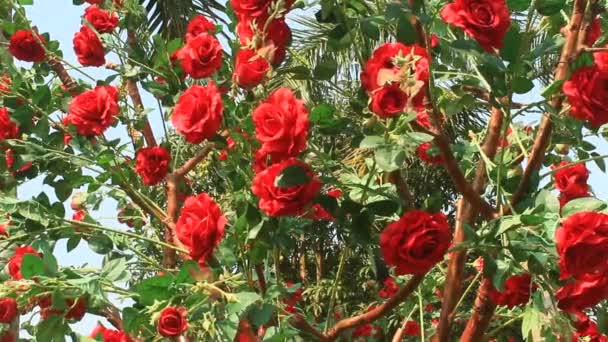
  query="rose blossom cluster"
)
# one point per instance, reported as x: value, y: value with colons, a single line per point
x: 87, y: 43
x: 263, y: 35
x: 587, y: 92
x: 580, y: 239
x: 201, y: 56
x: 571, y: 181
x: 416, y: 242
x: 281, y: 126
x: 516, y: 291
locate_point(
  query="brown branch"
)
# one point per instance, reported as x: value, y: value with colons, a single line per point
x: 259, y: 271
x: 66, y: 79
x: 466, y: 215
x: 333, y: 334
x: 483, y: 309
x: 541, y: 143
x: 403, y: 190
x: 172, y: 190
x: 400, y: 333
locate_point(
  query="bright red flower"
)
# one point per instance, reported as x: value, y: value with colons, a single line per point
x: 250, y: 68
x: 173, y: 321
x: 434, y: 41
x: 200, y: 226
x: 152, y: 164
x: 389, y: 101
x: 486, y: 21
x: 572, y: 180
x: 585, y: 327
x: 8, y: 310
x: 595, y: 32
x: 586, y: 292
x: 293, y: 299
x: 25, y: 45
x: 201, y: 56
x: 245, y: 333
x: 579, y: 240
x: 284, y: 201
x: 390, y: 288
x: 516, y: 291
x: 365, y: 330
x: 76, y: 308
x: 7, y: 336
x: 412, y: 328
x: 258, y: 9
x: 8, y: 128
x: 601, y: 60
x: 14, y: 263
x: 102, y: 21
x: 281, y: 125
x: 391, y: 62
x: 109, y: 335
x: 88, y: 48
x: 425, y: 155
x: 3, y: 231
x: 416, y: 242
x: 198, y: 113
x: 93, y: 111
x: 587, y: 92
x: 272, y: 42
x: 79, y: 215
x: 197, y: 25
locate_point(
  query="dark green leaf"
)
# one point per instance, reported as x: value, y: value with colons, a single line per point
x: 100, y: 244
x: 326, y: 69
x: 155, y: 288
x: 292, y: 175
x: 31, y: 266
x: 582, y: 204
x: 384, y: 208
x: 406, y: 33
x: 372, y: 141
x: 549, y: 7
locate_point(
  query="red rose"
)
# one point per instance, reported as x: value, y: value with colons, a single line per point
x: 101, y: 20
x: 201, y: 57
x: 595, y: 31
x: 172, y: 321
x: 200, y: 226
x: 416, y: 242
x: 14, y: 264
x: 586, y: 327
x: 288, y: 201
x: 578, y: 295
x: 93, y: 111
x: 198, y: 113
x: 7, y: 336
x: 293, y: 299
x: 245, y: 333
x: 587, y: 92
x: 152, y: 164
x: 258, y: 9
x: 390, y: 288
x: 365, y: 330
x: 486, y: 21
x: 281, y: 125
x: 412, y: 328
x: 9, y: 157
x: 8, y: 310
x: 601, y: 60
x: 79, y: 215
x: 271, y: 43
x: 250, y: 68
x: 94, y: 1
x: 76, y: 308
x: 389, y: 101
x: 3, y: 231
x: 434, y: 41
x: 516, y: 291
x: 393, y: 61
x: 26, y: 47
x: 199, y: 24
x: 109, y: 335
x: 572, y: 180
x: 579, y: 240
x: 88, y: 48
x: 429, y: 157
x: 8, y: 128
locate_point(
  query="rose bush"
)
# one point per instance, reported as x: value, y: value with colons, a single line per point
x: 284, y: 170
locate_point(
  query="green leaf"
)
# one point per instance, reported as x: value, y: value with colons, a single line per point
x: 530, y: 319
x: 31, y: 266
x: 370, y: 29
x: 390, y: 158
x: 383, y: 208
x: 582, y: 204
x: 507, y: 223
x: 503, y: 269
x: 549, y: 7
x: 100, y: 244
x: 72, y: 243
x: 63, y: 189
x: 247, y: 298
x: 115, y: 270
x: 261, y: 314
x: 52, y: 329
x: 406, y: 33
x: 58, y: 300
x: 26, y: 2
x: 293, y: 175
x: 548, y: 200
x: 184, y: 276
x: 255, y: 230
x: 522, y: 85
x: 372, y: 141
x: 510, y: 52
x: 518, y: 5
x: 155, y: 288
x: 326, y: 69
x: 552, y: 89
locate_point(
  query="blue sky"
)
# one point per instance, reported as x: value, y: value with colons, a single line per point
x: 61, y: 19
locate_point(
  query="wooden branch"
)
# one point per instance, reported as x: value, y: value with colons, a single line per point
x: 333, y: 334
x: 403, y: 190
x: 483, y: 311
x: 66, y: 79
x: 541, y: 143
x: 466, y: 215
x: 133, y: 91
x: 259, y: 271
x: 400, y: 333
x: 172, y: 191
